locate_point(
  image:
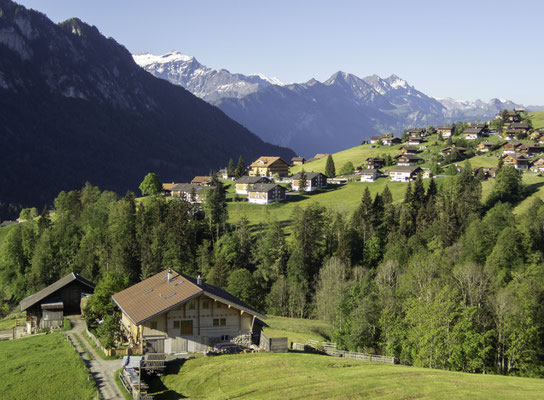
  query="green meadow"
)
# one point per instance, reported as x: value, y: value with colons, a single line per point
x: 309, y: 376
x: 43, y: 367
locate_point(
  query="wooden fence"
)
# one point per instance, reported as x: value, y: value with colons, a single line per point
x: 273, y: 345
x: 331, y: 350
x: 125, y: 351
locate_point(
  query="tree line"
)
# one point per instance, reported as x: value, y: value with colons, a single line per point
x: 441, y: 279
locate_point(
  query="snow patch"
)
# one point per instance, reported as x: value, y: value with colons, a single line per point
x: 145, y: 59
x: 273, y: 80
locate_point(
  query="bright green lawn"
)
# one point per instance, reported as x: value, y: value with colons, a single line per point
x: 298, y: 329
x: 308, y: 376
x: 4, y: 231
x: 536, y: 185
x: 10, y: 321
x: 538, y: 119
x: 43, y: 367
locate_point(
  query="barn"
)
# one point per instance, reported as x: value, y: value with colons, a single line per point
x: 47, y: 308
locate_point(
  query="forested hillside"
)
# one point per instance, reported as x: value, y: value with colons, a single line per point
x: 440, y: 279
x: 76, y: 107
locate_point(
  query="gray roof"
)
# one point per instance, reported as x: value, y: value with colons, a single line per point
x: 252, y: 179
x: 469, y: 131
x: 263, y: 187
x: 42, y: 294
x: 411, y: 157
x: 309, y: 175
x: 409, y: 169
x: 367, y: 171
x: 188, y: 187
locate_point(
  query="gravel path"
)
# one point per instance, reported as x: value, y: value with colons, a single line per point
x: 102, y: 370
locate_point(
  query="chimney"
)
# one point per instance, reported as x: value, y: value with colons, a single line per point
x: 169, y: 274
x: 198, y: 280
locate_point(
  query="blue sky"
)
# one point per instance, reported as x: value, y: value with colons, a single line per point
x: 460, y: 49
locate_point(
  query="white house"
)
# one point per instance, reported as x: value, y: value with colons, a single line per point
x: 369, y: 175
x: 314, y: 181
x: 404, y: 173
x: 265, y: 193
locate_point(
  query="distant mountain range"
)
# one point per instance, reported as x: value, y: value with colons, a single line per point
x: 75, y: 107
x: 316, y: 117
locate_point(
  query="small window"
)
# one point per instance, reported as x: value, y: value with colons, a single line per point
x: 225, y: 337
x: 186, y: 327
x: 153, y: 324
x: 223, y: 322
x: 216, y: 322
x: 205, y: 304
x: 176, y: 324
x: 192, y: 305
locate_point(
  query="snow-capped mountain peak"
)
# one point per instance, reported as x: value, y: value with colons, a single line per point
x: 146, y: 59
x: 395, y: 82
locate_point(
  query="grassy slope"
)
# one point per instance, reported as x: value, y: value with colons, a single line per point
x: 4, y: 231
x: 297, y: 329
x: 538, y: 119
x: 299, y: 376
x: 43, y: 367
x: 9, y: 321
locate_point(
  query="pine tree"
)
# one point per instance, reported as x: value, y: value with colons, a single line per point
x: 303, y: 182
x: 231, y: 169
x: 387, y: 197
x: 241, y: 168
x: 330, y: 169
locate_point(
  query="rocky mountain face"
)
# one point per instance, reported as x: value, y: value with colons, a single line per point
x: 75, y: 107
x: 316, y: 117
x: 207, y: 83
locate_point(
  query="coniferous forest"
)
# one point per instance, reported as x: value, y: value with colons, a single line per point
x: 441, y: 279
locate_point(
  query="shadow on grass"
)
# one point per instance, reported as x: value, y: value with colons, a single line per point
x: 532, y: 188
x: 157, y: 387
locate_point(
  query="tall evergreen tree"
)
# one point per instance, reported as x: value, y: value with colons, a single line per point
x: 231, y: 169
x: 330, y: 169
x: 303, y: 182
x: 240, y: 168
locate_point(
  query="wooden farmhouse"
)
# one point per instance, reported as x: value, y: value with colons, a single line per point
x: 314, y: 181
x: 518, y: 161
x: 245, y: 183
x: 265, y: 193
x: 519, y: 127
x: 47, y: 308
x: 374, y: 139
x: 407, y: 159
x: 391, y: 141
x: 416, y: 133
x: 448, y: 150
x: 269, y: 166
x: 445, y: 130
x: 191, y: 192
x: 167, y: 188
x: 370, y: 175
x: 404, y: 174
x: 513, y: 116
x: 172, y: 313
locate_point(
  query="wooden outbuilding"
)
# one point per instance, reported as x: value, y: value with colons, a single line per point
x: 47, y: 308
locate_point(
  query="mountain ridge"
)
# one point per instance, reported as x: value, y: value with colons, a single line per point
x: 315, y: 117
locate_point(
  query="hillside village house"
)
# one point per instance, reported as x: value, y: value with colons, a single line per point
x: 511, y: 115
x: 448, y: 150
x: 404, y: 174
x: 167, y: 188
x: 265, y: 193
x: 202, y: 180
x: 472, y: 133
x: 519, y: 127
x: 416, y: 133
x: 530, y: 149
x: 298, y: 160
x: 369, y: 175
x: 246, y: 182
x: 538, y: 165
x: 510, y: 148
x: 269, y: 166
x: 314, y: 181
x: 191, y: 192
x: 391, y: 141
x: 375, y: 162
x: 445, y: 130
x: 47, y: 308
x: 407, y: 159
x: 517, y: 160
x: 485, y: 147
x: 409, y: 150
x: 414, y: 141
x: 172, y: 313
